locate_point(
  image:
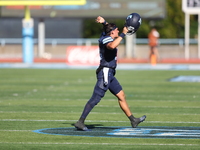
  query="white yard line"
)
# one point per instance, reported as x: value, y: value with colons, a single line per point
x: 18, y: 130
x: 129, y: 99
x: 116, y: 106
x: 94, y: 121
x: 130, y: 144
x: 109, y: 113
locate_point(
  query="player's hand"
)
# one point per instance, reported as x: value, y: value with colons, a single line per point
x: 125, y: 30
x: 100, y: 19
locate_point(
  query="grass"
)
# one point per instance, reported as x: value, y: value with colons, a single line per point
x: 32, y: 99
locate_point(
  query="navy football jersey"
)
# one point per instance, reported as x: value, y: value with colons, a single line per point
x: 108, y: 57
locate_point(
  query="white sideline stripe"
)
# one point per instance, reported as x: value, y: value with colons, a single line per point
x: 68, y: 143
x: 95, y: 121
x: 120, y: 66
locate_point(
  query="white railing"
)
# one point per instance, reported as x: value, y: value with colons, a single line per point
x: 89, y: 41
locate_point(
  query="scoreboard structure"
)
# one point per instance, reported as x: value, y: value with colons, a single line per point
x: 84, y: 8
x: 191, y: 6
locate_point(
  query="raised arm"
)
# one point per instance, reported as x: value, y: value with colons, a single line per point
x: 117, y: 41
x: 100, y: 19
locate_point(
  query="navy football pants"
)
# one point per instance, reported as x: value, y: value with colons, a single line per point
x: 100, y: 90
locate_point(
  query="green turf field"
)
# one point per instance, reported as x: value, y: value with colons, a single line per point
x: 32, y: 99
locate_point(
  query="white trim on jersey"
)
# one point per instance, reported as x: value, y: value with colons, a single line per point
x: 106, y: 40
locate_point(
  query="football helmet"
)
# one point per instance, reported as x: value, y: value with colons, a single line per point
x: 133, y: 22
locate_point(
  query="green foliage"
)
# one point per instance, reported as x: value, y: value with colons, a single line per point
x: 172, y: 26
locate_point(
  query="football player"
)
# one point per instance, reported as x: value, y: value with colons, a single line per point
x: 105, y: 73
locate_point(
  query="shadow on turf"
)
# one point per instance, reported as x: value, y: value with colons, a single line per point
x: 88, y: 126
x: 96, y: 126
x: 91, y: 126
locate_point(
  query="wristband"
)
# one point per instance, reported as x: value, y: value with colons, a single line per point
x: 104, y: 23
x: 122, y: 35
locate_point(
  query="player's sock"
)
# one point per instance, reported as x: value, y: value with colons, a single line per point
x: 82, y: 120
x: 94, y: 100
x: 131, y: 118
x: 88, y: 107
x: 86, y: 110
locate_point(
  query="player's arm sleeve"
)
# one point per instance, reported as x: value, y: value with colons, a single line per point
x: 114, y: 43
x: 107, y: 40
